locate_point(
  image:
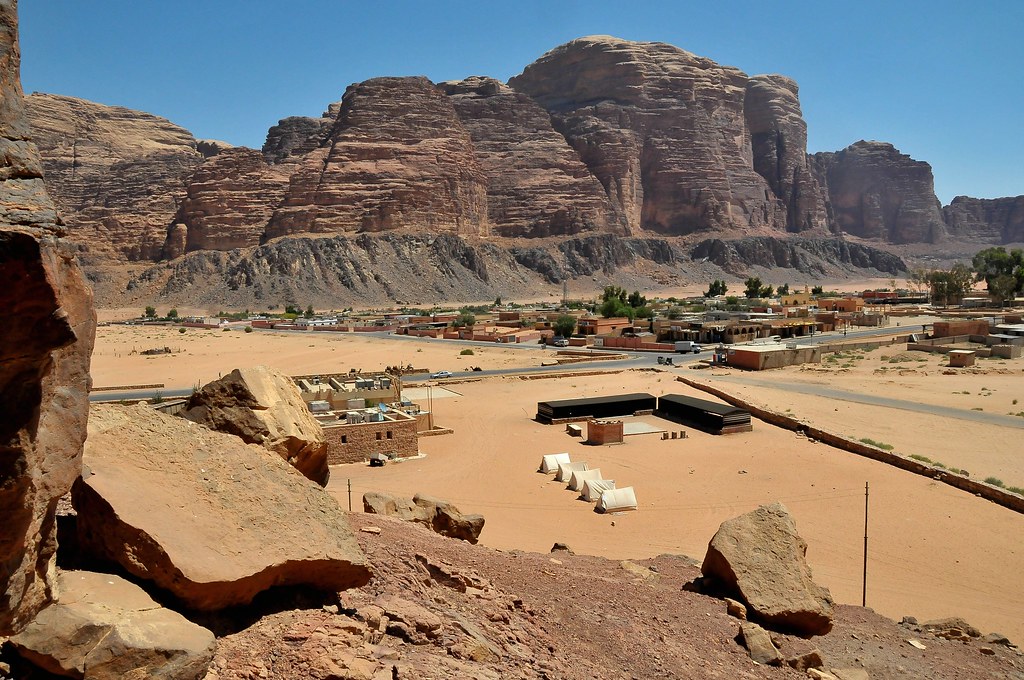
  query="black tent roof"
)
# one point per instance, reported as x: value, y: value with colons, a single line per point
x: 702, y: 404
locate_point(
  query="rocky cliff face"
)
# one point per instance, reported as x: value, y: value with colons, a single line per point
x: 662, y: 129
x: 397, y: 157
x: 778, y: 139
x: 536, y: 183
x: 820, y: 257
x: 878, y: 193
x: 997, y: 220
x: 227, y: 204
x: 44, y: 356
x: 117, y: 175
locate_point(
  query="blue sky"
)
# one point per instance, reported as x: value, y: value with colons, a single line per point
x: 941, y: 80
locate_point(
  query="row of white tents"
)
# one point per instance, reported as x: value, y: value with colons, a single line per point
x: 589, y: 483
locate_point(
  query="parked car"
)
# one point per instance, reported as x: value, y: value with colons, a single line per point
x: 560, y: 342
x: 441, y: 374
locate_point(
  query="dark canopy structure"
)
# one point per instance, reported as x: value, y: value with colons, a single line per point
x: 595, y: 407
x: 709, y: 416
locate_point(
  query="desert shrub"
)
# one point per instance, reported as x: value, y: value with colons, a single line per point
x: 923, y: 459
x: 181, y: 330
x: 248, y: 329
x: 1015, y: 489
x: 466, y: 352
x: 994, y: 481
x: 877, y: 445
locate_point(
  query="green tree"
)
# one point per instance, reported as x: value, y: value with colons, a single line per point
x: 465, y: 318
x: 783, y: 289
x: 309, y: 313
x: 636, y: 300
x: 497, y: 301
x: 766, y: 291
x: 950, y: 285
x: 565, y: 325
x: 292, y: 309
x: 753, y: 287
x: 643, y: 312
x: 996, y: 267
x: 1003, y: 288
x: 716, y: 288
x: 615, y: 307
x: 613, y: 293
x: 817, y: 290
x: 675, y: 312
x: 172, y: 313
x: 150, y: 312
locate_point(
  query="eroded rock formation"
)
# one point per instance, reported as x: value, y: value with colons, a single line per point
x: 878, y: 193
x: 203, y: 515
x: 44, y: 356
x: 440, y: 516
x: 662, y: 129
x: 995, y: 220
x: 396, y: 157
x: 760, y: 558
x: 263, y: 406
x: 105, y: 628
x: 117, y: 175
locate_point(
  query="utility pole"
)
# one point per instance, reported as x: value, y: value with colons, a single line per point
x: 350, y: 494
x: 863, y: 592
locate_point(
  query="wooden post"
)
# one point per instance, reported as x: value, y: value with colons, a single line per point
x: 350, y: 495
x: 864, y: 582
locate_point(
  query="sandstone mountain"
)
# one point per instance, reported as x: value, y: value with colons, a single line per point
x: 600, y: 137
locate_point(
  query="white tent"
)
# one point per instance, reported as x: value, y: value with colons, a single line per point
x: 565, y: 470
x: 580, y: 476
x: 551, y: 461
x: 592, y: 488
x: 617, y: 500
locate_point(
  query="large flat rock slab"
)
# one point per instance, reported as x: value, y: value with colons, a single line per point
x: 105, y: 628
x: 202, y: 514
x: 759, y: 558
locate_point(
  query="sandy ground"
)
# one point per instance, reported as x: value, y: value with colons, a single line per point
x: 934, y: 551
x: 200, y: 355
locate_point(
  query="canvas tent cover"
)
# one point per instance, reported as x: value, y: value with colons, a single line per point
x: 565, y: 470
x: 551, y: 462
x: 580, y: 476
x: 615, y: 500
x: 592, y: 488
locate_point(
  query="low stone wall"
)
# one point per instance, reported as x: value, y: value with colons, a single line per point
x: 987, y: 491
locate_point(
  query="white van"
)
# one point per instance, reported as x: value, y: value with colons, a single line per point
x: 683, y: 346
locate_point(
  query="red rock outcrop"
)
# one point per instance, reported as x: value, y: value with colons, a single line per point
x: 117, y: 175
x: 44, y: 356
x: 295, y: 136
x: 397, y: 157
x: 205, y: 516
x: 662, y: 129
x: 536, y: 183
x: 878, y: 193
x: 995, y: 220
x: 229, y: 200
x: 778, y: 139
x: 263, y: 406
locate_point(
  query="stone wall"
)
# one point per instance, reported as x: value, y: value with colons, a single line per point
x: 354, y: 443
x: 601, y: 432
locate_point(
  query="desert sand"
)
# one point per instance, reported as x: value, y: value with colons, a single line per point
x: 934, y: 551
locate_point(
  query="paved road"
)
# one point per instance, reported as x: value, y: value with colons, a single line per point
x: 872, y: 400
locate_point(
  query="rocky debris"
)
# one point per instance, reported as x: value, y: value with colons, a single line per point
x: 44, y: 356
x: 228, y: 202
x: 401, y: 618
x: 760, y: 558
x: 562, y: 547
x: 878, y: 193
x: 208, y: 148
x: 117, y: 175
x: 536, y: 184
x: 997, y: 639
x: 264, y: 406
x: 662, y: 129
x: 759, y: 644
x: 205, y: 516
x: 953, y: 628
x: 992, y: 220
x: 440, y: 516
x: 397, y: 157
x: 810, y: 256
x: 778, y: 140
x: 103, y: 627
x: 735, y: 608
x: 811, y: 659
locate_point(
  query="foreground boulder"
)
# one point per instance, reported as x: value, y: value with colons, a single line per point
x: 441, y: 516
x: 759, y: 558
x: 263, y: 406
x: 44, y: 356
x: 203, y: 515
x: 105, y: 627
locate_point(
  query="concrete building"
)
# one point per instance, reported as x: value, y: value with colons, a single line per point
x: 350, y: 390
x: 352, y: 436
x: 761, y: 357
x: 601, y: 432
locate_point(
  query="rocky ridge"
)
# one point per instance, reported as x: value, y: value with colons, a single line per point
x: 599, y: 137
